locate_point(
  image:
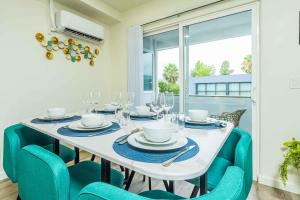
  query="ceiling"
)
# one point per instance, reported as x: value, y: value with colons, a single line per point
x: 123, y: 5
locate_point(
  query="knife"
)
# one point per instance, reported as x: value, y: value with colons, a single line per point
x: 167, y: 163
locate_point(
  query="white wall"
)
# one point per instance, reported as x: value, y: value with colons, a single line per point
x: 29, y: 83
x: 280, y: 59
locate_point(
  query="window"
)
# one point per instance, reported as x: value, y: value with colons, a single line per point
x: 148, y: 71
x: 239, y: 89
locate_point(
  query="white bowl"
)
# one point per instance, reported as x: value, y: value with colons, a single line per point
x: 142, y: 110
x: 110, y: 107
x: 91, y: 120
x: 198, y: 115
x: 159, y: 132
x: 56, y: 112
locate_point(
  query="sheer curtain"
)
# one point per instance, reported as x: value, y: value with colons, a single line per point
x: 135, y: 63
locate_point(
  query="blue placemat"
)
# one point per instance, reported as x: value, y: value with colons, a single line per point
x: 133, y: 153
x: 142, y: 118
x: 68, y: 132
x: 205, y: 126
x: 41, y: 121
x: 104, y: 112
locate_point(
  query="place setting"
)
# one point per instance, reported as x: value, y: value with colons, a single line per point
x: 143, y: 113
x: 156, y: 142
x: 198, y: 119
x: 56, y: 115
x: 90, y: 125
x: 109, y: 109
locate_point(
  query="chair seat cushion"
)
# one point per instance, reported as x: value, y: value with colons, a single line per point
x: 159, y: 194
x: 215, y: 173
x: 65, y: 153
x: 87, y: 172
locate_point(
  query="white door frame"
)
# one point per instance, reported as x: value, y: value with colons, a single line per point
x: 254, y: 7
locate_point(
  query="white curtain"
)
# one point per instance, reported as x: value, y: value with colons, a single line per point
x: 135, y: 63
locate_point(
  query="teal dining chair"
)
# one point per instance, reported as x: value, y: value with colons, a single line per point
x: 237, y: 151
x: 18, y: 136
x: 43, y: 175
x: 231, y: 187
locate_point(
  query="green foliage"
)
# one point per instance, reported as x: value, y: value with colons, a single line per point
x: 169, y: 84
x: 202, y: 69
x: 247, y: 64
x: 162, y: 86
x: 168, y: 87
x: 170, y: 73
x: 225, y: 68
x: 291, y: 158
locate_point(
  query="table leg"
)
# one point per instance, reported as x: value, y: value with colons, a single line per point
x: 203, y: 184
x: 126, y: 173
x: 166, y: 185
x: 128, y: 182
x: 171, y: 187
x: 76, y: 155
x: 56, y: 146
x: 105, y: 170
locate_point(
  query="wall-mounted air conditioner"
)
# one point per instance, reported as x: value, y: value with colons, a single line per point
x: 79, y: 27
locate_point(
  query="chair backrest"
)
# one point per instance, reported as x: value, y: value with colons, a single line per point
x: 231, y: 187
x: 16, y: 137
x: 243, y: 158
x: 238, y: 150
x: 42, y: 175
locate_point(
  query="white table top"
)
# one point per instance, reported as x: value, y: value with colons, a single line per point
x: 210, y: 142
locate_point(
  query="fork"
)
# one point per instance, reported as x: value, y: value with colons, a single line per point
x: 123, y: 139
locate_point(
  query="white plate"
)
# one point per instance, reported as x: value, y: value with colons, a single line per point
x: 150, y: 114
x: 141, y: 139
x: 47, y: 118
x: 206, y: 122
x: 181, y: 141
x: 77, y: 126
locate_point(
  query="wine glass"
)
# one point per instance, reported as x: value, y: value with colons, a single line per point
x: 157, y: 105
x: 169, y: 102
x: 95, y: 97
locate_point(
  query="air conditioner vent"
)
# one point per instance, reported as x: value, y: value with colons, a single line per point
x: 82, y: 35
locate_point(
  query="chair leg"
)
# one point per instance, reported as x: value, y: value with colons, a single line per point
x: 93, y: 157
x: 18, y: 197
x: 149, y: 183
x: 195, y: 191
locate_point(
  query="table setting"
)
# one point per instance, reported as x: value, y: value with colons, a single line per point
x: 149, y: 139
x: 156, y: 142
x: 54, y: 116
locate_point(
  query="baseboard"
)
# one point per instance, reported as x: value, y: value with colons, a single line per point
x: 290, y: 187
x: 2, y: 175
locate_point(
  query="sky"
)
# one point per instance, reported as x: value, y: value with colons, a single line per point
x: 212, y: 53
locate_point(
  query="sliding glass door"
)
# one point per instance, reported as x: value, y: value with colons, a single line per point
x: 218, y: 64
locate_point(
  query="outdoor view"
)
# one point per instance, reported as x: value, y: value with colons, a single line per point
x: 224, y: 57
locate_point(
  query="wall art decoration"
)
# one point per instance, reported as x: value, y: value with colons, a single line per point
x: 73, y: 50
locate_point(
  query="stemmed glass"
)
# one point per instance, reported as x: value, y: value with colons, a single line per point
x: 158, y: 105
x: 95, y: 97
x: 168, y: 102
x: 128, y: 105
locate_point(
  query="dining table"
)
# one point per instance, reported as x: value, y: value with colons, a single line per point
x: 210, y: 142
